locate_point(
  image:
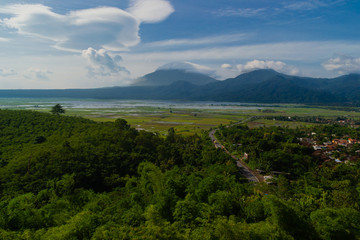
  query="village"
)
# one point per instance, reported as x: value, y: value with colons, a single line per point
x: 340, y: 150
x: 337, y: 151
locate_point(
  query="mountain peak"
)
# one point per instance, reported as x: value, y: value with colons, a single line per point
x: 188, y: 67
x: 253, y: 77
x: 267, y: 70
x: 163, y: 77
x: 262, y: 72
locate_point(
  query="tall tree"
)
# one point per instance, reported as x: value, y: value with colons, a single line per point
x: 57, y: 109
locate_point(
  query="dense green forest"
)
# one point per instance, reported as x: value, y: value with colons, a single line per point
x: 271, y: 149
x: 71, y: 178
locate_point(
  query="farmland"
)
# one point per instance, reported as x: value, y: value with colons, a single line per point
x: 186, y: 118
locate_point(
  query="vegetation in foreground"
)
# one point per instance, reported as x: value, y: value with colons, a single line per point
x: 72, y: 178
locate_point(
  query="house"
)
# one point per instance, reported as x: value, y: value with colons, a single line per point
x: 268, y: 179
x: 319, y: 147
x: 340, y: 142
x: 352, y: 141
x: 331, y: 147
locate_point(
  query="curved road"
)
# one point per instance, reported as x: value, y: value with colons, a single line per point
x: 244, y: 169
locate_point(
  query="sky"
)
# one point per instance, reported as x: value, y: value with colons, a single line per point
x: 47, y: 44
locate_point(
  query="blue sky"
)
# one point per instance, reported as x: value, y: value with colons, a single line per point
x: 83, y: 44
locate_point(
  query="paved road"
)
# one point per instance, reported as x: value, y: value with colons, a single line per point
x: 244, y: 169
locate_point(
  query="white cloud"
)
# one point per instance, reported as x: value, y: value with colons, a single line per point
x: 276, y: 9
x: 227, y: 38
x: 7, y: 72
x: 305, y: 5
x: 38, y: 74
x: 226, y: 71
x: 189, y: 67
x: 226, y: 66
x: 103, y: 27
x: 296, y: 52
x: 240, y: 12
x: 102, y: 64
x: 150, y: 11
x: 343, y: 64
x: 275, y: 65
x: 4, y: 39
x: 283, y: 51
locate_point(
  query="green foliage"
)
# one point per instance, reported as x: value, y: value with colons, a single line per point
x: 57, y: 109
x: 286, y: 219
x: 71, y: 178
x: 271, y: 149
x: 332, y: 223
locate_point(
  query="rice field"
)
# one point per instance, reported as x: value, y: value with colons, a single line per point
x: 185, y: 117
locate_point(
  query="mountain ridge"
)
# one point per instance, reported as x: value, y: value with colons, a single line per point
x: 259, y: 86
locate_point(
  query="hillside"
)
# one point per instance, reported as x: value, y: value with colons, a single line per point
x: 278, y: 89
x: 71, y: 178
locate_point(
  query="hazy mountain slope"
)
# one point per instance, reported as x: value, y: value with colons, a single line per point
x: 277, y: 89
x: 257, y: 86
x: 347, y: 85
x: 167, y: 77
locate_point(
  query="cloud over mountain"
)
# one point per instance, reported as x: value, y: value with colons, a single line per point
x: 189, y: 67
x: 269, y: 64
x: 226, y: 66
x: 343, y: 64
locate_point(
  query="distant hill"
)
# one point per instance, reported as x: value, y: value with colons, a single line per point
x: 253, y: 77
x: 262, y: 86
x: 167, y: 77
x: 271, y: 88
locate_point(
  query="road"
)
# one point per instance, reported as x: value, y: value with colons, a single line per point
x: 244, y: 169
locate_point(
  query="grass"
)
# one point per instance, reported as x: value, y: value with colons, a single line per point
x: 271, y: 123
x: 184, y: 121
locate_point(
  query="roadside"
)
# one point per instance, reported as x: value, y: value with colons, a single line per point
x: 248, y: 173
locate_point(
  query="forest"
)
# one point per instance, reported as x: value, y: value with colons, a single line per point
x: 67, y: 177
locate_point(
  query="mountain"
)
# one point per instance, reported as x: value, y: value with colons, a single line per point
x: 253, y: 77
x: 261, y: 86
x: 347, y: 85
x: 239, y: 83
x: 272, y: 88
x: 167, y: 77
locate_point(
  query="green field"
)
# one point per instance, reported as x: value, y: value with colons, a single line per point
x: 185, y: 117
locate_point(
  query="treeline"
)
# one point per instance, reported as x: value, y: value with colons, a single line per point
x: 70, y: 178
x: 314, y: 119
x: 270, y: 149
x: 309, y: 119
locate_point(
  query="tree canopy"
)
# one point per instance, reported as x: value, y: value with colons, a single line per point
x: 72, y: 178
